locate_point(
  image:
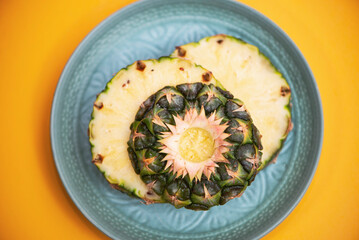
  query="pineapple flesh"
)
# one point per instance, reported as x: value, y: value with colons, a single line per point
x: 167, y: 131
x: 241, y: 68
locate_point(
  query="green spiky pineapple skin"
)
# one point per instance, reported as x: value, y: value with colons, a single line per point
x: 183, y: 192
x: 185, y: 50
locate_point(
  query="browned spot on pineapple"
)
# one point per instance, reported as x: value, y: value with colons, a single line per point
x: 219, y: 41
x: 181, y: 69
x: 140, y: 66
x: 88, y: 132
x: 117, y: 187
x: 181, y: 51
x: 284, y: 91
x: 206, y: 77
x: 125, y: 84
x: 98, y: 105
x: 98, y: 159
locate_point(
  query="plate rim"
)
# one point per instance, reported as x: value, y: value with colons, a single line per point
x: 97, y: 28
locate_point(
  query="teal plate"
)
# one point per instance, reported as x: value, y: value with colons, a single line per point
x: 150, y: 29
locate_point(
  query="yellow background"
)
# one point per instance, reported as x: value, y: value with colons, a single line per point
x: 37, y: 38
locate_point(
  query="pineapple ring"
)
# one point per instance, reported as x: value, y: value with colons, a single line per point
x: 190, y: 135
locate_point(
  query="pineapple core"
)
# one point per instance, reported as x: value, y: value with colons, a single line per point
x: 196, y: 145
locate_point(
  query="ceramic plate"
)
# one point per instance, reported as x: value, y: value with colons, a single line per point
x: 150, y: 29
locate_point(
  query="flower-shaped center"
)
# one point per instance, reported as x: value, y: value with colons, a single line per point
x: 196, y: 145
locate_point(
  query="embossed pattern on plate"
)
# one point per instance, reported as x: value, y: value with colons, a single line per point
x: 150, y: 29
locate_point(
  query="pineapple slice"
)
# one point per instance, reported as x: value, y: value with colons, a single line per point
x: 116, y: 107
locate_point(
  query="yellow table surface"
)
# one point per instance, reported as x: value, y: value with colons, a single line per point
x: 36, y: 40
